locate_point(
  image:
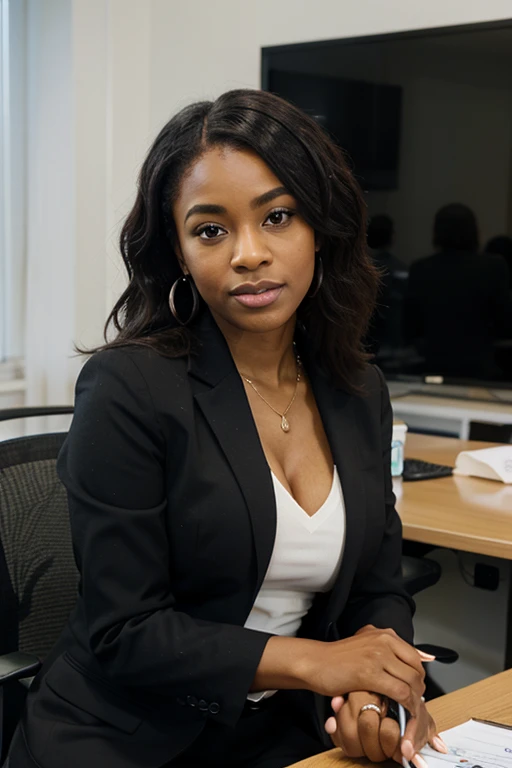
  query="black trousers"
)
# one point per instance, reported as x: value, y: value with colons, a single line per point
x: 274, y: 736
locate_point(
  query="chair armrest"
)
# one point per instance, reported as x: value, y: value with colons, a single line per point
x: 17, y: 665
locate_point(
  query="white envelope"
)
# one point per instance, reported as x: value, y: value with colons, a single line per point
x: 491, y: 463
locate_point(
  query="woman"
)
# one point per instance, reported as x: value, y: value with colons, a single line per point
x: 228, y: 474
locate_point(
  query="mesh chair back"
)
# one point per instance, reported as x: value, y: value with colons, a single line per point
x: 38, y: 576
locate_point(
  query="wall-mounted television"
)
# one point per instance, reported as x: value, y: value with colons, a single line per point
x: 362, y: 117
x: 425, y: 118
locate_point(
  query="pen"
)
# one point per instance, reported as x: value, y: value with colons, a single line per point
x: 402, y: 722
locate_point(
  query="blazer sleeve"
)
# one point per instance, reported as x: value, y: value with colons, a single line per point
x: 113, y: 467
x: 379, y: 597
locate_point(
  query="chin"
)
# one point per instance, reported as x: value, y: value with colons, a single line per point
x: 259, y: 321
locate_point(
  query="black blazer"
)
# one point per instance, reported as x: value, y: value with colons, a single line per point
x: 173, y: 521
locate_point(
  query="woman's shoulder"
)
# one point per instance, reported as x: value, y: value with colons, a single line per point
x: 131, y: 368
x: 129, y: 359
x: 370, y: 381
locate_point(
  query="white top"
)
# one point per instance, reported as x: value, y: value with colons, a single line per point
x: 305, y: 560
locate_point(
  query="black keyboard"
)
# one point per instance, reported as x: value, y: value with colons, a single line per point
x: 416, y: 469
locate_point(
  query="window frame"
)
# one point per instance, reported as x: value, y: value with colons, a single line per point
x: 13, y: 223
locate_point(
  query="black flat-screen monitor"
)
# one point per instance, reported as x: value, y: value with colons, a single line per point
x: 362, y: 117
x: 425, y: 119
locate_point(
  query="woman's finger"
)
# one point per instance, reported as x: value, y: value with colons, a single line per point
x: 425, y: 656
x: 414, y: 679
x: 330, y: 726
x: 419, y: 761
x: 420, y: 730
x: 368, y: 727
x: 347, y: 729
x: 406, y: 653
x: 386, y: 684
x: 331, y: 723
x: 389, y: 736
x: 438, y: 744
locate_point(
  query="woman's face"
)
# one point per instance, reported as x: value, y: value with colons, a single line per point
x: 251, y: 255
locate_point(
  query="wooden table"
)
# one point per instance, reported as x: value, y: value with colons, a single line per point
x: 465, y: 513
x: 489, y: 699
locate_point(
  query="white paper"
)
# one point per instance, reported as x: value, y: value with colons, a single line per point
x: 491, y: 463
x: 473, y: 745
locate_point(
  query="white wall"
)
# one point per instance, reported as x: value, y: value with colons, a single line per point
x: 104, y: 75
x: 88, y: 113
x: 201, y: 48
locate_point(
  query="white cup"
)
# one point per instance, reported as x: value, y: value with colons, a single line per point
x: 398, y: 447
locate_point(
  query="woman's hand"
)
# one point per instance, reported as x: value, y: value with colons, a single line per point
x: 377, y: 737
x: 373, y: 659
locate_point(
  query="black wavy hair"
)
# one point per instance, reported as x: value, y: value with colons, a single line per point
x: 311, y: 167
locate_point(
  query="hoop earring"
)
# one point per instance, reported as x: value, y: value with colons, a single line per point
x: 319, y: 279
x: 187, y: 280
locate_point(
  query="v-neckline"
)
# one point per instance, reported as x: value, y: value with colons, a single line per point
x: 296, y: 503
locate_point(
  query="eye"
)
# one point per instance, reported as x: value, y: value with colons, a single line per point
x: 209, y: 232
x: 280, y: 216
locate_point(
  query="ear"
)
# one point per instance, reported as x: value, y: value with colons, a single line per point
x: 318, y: 242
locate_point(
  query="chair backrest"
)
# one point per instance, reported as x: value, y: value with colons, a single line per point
x: 38, y: 576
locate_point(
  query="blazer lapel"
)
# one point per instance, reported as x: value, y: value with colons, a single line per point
x: 225, y: 406
x: 338, y: 411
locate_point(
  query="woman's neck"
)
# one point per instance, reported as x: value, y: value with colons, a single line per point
x: 266, y: 357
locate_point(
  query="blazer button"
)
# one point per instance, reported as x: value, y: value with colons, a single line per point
x: 214, y: 708
x: 181, y: 702
x: 192, y: 701
x: 203, y: 705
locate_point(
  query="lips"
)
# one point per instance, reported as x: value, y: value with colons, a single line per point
x: 254, y: 288
x: 256, y: 295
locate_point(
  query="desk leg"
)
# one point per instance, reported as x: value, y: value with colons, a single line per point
x: 508, y: 641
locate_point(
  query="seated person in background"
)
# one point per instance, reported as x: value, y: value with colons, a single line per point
x: 457, y: 300
x: 502, y: 245
x: 386, y: 323
x: 228, y: 474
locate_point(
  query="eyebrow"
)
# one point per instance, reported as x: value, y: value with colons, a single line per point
x: 263, y: 199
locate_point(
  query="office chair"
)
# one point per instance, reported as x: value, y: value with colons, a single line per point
x: 38, y: 576
x: 490, y: 432
x: 419, y: 573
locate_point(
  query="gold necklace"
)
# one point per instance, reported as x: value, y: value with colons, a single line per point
x: 285, y: 424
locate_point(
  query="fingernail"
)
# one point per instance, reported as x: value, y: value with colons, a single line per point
x: 426, y: 656
x: 407, y: 749
x: 336, y: 703
x: 439, y: 744
x: 419, y: 762
x: 330, y: 726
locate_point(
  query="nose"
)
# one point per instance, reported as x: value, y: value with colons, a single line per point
x: 250, y: 250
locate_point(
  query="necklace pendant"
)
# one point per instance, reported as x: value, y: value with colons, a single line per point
x: 285, y: 426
